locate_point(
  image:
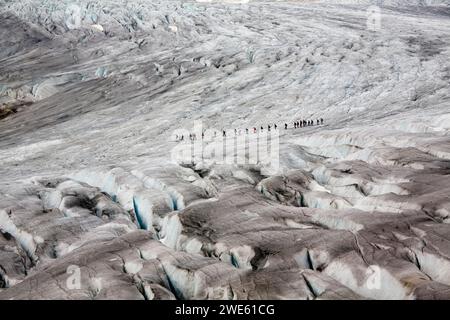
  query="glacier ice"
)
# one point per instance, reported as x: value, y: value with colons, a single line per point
x: 93, y: 94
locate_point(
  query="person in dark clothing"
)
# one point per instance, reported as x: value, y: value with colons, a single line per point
x: 246, y: 130
x: 300, y: 123
x: 203, y: 135
x: 224, y: 133
x: 268, y: 127
x: 285, y: 126
x: 321, y: 120
x: 318, y: 121
x: 275, y: 126
x: 182, y: 138
x: 304, y: 123
x: 295, y: 125
x: 254, y: 129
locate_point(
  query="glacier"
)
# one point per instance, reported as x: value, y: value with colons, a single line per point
x: 93, y: 95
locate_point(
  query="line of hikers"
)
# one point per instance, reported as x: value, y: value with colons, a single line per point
x: 297, y: 124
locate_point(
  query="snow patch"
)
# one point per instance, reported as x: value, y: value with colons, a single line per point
x: 381, y: 286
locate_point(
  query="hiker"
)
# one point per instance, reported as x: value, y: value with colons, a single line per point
x: 298, y: 124
x: 268, y: 128
x: 246, y: 130
x: 262, y: 128
x: 235, y: 132
x: 304, y: 123
x: 295, y: 125
x: 301, y: 123
x: 203, y: 135
x: 285, y: 126
x: 254, y: 129
x: 321, y: 120
x: 318, y: 121
x: 275, y: 126
x: 182, y: 137
x: 224, y: 133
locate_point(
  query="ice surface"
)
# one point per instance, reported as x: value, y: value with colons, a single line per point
x: 93, y: 94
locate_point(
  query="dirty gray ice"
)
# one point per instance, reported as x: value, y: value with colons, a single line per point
x: 94, y: 205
